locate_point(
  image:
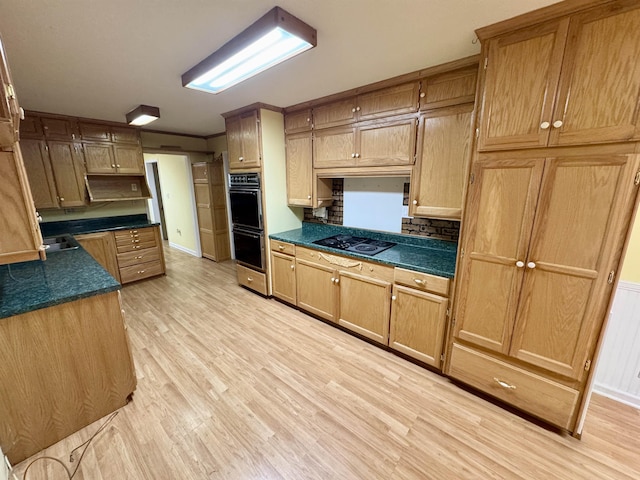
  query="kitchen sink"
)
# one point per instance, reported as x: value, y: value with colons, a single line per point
x: 59, y: 243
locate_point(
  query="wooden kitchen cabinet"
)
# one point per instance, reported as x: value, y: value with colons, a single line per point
x: 450, y: 88
x: 440, y: 172
x: 59, y: 128
x: 129, y: 159
x: 211, y: 207
x: 295, y: 122
x: 243, y: 140
x: 139, y: 253
x: 94, y: 132
x: 418, y: 322
x: 315, y: 287
x: 341, y: 112
x: 9, y: 108
x: 68, y: 170
x: 283, y: 271
x: 571, y: 81
x: 299, y: 150
x: 108, y: 158
x: 334, y: 147
x: 540, y: 257
x: 21, y: 240
x: 102, y: 247
x: 40, y: 173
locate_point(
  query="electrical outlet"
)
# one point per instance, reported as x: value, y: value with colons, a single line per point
x: 134, y: 187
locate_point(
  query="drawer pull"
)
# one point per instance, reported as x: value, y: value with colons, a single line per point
x: 504, y: 384
x: 142, y: 271
x: 281, y: 247
x: 420, y: 282
x: 135, y: 241
x: 138, y: 257
x: 249, y: 279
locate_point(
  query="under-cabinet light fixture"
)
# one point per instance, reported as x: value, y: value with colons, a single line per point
x: 143, y: 114
x: 274, y: 38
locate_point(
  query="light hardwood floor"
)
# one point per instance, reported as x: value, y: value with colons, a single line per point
x: 235, y: 386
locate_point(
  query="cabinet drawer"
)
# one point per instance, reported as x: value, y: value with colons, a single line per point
x: 134, y: 233
x: 252, y: 279
x: 138, y: 272
x: 422, y: 281
x: 283, y: 247
x: 138, y: 256
x: 133, y: 245
x: 355, y: 265
x: 544, y: 398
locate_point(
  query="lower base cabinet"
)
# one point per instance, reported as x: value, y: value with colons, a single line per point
x: 102, y: 247
x: 256, y: 281
x: 283, y: 277
x: 140, y: 253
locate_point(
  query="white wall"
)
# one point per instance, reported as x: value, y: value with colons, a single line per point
x: 374, y: 203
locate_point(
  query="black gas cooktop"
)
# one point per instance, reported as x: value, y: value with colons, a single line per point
x: 362, y: 245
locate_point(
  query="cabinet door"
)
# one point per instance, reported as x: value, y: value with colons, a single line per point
x: 99, y: 158
x: 234, y: 142
x: 31, y: 127
x: 600, y: 83
x: 334, y: 147
x: 315, y: 289
x: 205, y: 220
x: 129, y: 159
x: 386, y: 143
x: 437, y: 185
x: 102, y: 247
x: 9, y: 109
x: 333, y: 114
x: 283, y: 277
x: 580, y: 227
x: 59, y: 128
x: 521, y: 80
x: 219, y: 211
x: 390, y: 101
x: 20, y: 240
x: 97, y: 132
x: 417, y: 324
x: 250, y: 139
x: 297, y: 121
x: 501, y: 206
x: 299, y: 169
x: 38, y: 166
x: 68, y: 171
x: 125, y: 135
x: 365, y: 305
x: 451, y: 88
x: 200, y: 173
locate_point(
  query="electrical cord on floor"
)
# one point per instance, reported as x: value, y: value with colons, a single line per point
x: 71, y: 454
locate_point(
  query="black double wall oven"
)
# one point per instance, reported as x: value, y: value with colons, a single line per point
x: 246, y: 215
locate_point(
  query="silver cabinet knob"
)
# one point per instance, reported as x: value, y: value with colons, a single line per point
x: 519, y: 264
x: 545, y: 125
x: 531, y: 265
x: 557, y: 123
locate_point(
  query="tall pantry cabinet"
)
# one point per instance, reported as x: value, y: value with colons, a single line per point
x: 554, y: 184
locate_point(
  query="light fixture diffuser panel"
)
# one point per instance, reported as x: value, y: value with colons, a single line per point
x: 274, y: 38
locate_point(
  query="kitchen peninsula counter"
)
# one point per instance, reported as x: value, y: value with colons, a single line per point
x: 422, y: 254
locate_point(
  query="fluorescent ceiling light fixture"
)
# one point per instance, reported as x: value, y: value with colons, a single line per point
x: 272, y: 39
x: 143, y: 114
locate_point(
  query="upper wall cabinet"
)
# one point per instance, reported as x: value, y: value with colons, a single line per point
x: 450, y: 88
x: 385, y: 102
x: 572, y: 81
x: 59, y: 128
x: 296, y: 122
x: 243, y: 140
x: 9, y: 109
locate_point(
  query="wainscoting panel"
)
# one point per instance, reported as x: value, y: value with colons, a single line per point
x: 618, y: 370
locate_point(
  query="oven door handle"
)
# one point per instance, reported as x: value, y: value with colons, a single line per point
x: 246, y: 234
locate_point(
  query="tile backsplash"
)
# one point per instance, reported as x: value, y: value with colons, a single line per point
x: 425, y: 227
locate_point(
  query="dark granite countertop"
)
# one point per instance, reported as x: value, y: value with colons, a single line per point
x: 65, y: 276
x: 93, y: 225
x: 422, y: 254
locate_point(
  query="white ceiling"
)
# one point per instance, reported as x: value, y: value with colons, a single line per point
x: 101, y: 58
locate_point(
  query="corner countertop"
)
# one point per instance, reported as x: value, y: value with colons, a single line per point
x: 422, y: 254
x: 65, y: 275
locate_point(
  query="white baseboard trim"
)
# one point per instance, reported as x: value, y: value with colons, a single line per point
x: 183, y: 249
x: 612, y: 393
x: 631, y: 286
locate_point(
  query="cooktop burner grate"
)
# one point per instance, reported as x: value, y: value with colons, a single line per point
x: 362, y: 245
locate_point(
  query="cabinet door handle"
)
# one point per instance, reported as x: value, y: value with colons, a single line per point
x: 545, y: 125
x: 62, y: 199
x: 419, y: 282
x: 241, y: 159
x: 117, y: 165
x: 308, y: 197
x: 504, y: 384
x: 113, y: 165
x: 249, y: 279
x: 357, y: 109
x: 422, y: 94
x: 293, y: 267
x: 353, y: 110
x: 357, y: 155
x: 337, y: 281
x: 531, y: 265
x: 140, y: 272
x: 393, y: 297
x: 353, y: 155
x: 281, y: 247
x: 333, y: 280
x: 557, y: 124
x: 519, y: 264
x: 415, y: 202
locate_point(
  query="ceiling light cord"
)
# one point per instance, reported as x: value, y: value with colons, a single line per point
x: 71, y: 454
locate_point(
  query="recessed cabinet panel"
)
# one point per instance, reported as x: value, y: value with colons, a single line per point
x: 38, y: 166
x: 388, y: 143
x: 521, y: 81
x: 299, y: 169
x: 440, y: 174
x: 335, y: 147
